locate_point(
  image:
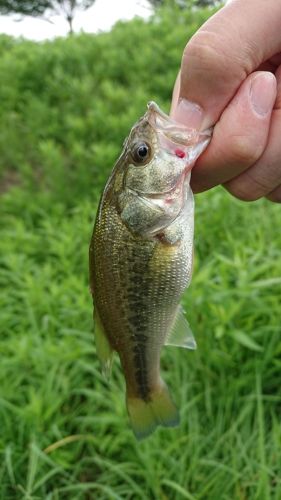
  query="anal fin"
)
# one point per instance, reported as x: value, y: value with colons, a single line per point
x: 104, y: 350
x: 181, y: 334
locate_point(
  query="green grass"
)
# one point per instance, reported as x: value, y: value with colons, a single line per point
x: 64, y: 429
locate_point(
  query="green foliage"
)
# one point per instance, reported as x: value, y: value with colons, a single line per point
x: 72, y: 102
x: 66, y: 107
x: 24, y: 7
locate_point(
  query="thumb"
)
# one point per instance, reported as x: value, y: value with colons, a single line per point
x: 220, y: 56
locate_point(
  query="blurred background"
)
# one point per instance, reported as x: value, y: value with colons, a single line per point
x: 66, y: 105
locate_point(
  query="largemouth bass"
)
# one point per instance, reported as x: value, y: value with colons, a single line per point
x: 141, y: 260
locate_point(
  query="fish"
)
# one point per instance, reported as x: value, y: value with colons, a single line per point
x: 140, y: 261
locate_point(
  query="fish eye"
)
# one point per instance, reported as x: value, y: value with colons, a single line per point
x: 141, y: 153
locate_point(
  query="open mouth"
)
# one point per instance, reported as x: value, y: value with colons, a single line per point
x: 177, y: 133
x: 184, y: 144
x: 177, y: 139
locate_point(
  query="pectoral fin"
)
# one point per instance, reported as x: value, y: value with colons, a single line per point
x: 181, y: 334
x: 104, y: 350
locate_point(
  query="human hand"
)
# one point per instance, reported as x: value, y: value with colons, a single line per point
x: 231, y: 69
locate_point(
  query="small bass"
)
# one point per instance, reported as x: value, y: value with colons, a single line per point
x: 141, y: 260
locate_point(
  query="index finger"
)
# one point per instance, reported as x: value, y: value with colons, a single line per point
x: 223, y: 52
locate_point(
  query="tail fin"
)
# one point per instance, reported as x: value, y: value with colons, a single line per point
x: 145, y: 416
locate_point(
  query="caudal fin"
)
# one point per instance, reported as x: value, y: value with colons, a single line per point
x: 145, y: 416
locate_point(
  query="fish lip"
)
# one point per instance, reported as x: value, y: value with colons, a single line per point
x: 167, y: 124
x: 172, y: 135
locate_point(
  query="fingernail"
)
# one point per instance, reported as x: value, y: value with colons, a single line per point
x: 189, y: 113
x: 263, y: 93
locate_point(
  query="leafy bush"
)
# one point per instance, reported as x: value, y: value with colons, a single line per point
x: 67, y: 105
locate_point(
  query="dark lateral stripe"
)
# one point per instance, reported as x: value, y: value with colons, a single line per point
x: 141, y: 370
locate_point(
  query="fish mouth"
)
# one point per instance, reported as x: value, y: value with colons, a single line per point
x: 178, y: 141
x: 187, y: 143
x: 183, y: 143
x: 178, y: 133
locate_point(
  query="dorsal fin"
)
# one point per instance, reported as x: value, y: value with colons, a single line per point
x: 181, y: 334
x: 104, y: 350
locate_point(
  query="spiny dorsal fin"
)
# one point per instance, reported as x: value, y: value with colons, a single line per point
x: 181, y: 334
x: 104, y: 350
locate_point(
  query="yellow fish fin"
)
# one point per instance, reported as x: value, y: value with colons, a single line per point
x: 145, y: 416
x: 104, y: 350
x: 181, y: 334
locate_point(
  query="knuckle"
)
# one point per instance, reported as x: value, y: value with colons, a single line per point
x: 199, y: 48
x: 244, y: 149
x: 275, y: 195
x: 209, y: 51
x: 203, y: 54
x: 241, y: 191
x: 248, y: 187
